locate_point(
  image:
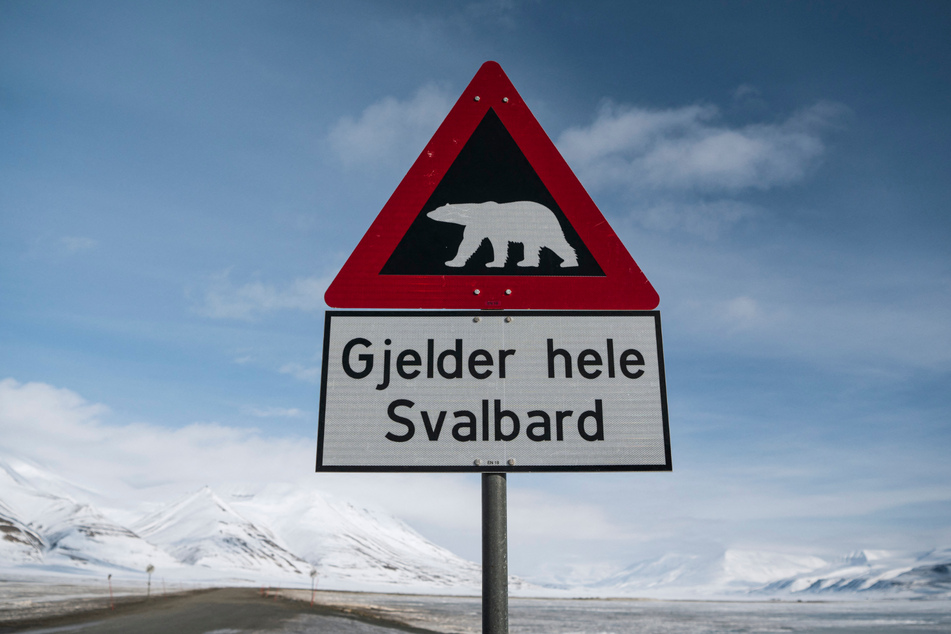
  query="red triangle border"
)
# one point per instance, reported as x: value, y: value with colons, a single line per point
x: 360, y: 285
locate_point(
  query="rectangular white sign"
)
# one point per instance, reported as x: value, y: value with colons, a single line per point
x: 493, y: 391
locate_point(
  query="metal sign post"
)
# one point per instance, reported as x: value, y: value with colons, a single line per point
x: 495, y: 556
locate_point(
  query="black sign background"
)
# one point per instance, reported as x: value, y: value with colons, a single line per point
x: 490, y: 167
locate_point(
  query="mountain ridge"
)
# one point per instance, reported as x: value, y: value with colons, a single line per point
x: 280, y: 533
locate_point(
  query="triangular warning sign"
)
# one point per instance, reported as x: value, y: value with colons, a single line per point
x: 491, y: 216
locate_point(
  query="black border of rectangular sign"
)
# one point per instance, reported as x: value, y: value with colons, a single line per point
x: 330, y: 314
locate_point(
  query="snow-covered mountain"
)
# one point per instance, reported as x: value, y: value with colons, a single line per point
x: 870, y: 571
x: 756, y: 574
x: 276, y: 536
x: 202, y: 530
x: 279, y: 533
x: 57, y: 530
x: 80, y: 533
x: 354, y: 546
x: 19, y: 544
x: 726, y: 572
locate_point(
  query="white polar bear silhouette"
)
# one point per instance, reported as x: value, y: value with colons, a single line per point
x: 532, y: 224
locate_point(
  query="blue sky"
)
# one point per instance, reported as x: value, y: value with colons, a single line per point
x: 180, y: 181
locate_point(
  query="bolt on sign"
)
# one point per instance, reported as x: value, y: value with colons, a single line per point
x: 546, y: 353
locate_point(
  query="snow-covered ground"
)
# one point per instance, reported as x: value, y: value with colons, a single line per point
x: 460, y: 615
x: 278, y: 535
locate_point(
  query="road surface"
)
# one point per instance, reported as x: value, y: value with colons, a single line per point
x: 220, y: 611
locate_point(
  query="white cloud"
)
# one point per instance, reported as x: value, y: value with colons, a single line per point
x: 691, y: 149
x: 59, y: 247
x: 706, y: 219
x: 390, y: 132
x: 56, y: 427
x: 307, y: 374
x: 495, y: 13
x: 745, y: 309
x: 533, y: 514
x: 63, y: 412
x: 274, y: 412
x: 223, y: 299
x: 769, y: 311
x: 746, y: 91
x: 77, y: 244
x: 745, y: 313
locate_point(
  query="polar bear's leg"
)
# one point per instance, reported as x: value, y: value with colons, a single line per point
x: 569, y: 259
x: 532, y: 251
x: 500, y: 252
x: 470, y: 244
x: 565, y: 251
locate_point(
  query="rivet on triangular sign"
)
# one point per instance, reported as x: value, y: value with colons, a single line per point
x: 491, y: 216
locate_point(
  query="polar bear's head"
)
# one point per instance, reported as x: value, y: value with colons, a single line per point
x: 456, y: 214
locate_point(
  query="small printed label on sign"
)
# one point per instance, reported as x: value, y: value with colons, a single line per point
x: 497, y: 391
